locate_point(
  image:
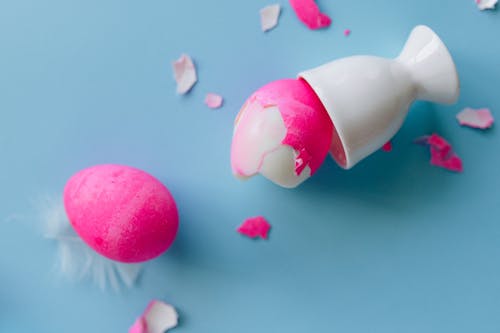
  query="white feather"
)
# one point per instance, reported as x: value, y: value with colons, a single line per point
x: 128, y: 273
x: 77, y: 260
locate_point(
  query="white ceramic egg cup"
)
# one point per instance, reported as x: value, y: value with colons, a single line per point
x: 368, y: 97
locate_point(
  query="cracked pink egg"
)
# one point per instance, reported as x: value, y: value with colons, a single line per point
x: 282, y: 132
x: 123, y: 213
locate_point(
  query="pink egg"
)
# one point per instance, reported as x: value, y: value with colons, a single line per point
x: 123, y: 213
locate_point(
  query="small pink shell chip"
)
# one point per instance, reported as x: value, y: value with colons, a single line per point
x: 450, y: 162
x: 439, y: 143
x: 158, y: 317
x: 442, y: 154
x: 255, y: 227
x: 480, y: 118
x: 308, y: 12
x: 213, y: 101
x: 387, y: 147
x: 184, y: 74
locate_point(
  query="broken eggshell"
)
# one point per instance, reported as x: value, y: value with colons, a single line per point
x: 256, y: 226
x: 309, y: 13
x: 123, y: 213
x: 269, y: 17
x: 282, y: 132
x: 159, y: 317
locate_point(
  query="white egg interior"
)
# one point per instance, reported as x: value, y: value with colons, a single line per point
x: 258, y: 148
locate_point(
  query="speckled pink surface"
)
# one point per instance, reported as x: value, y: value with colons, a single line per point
x: 121, y: 212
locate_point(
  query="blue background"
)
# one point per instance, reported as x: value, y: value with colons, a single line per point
x: 394, y: 245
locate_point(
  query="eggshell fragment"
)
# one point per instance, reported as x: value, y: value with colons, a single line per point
x: 486, y: 4
x: 184, y: 74
x: 269, y: 16
x: 475, y: 118
x: 308, y: 13
x: 387, y: 147
x: 442, y: 154
x: 255, y: 227
x: 213, y: 101
x: 159, y: 317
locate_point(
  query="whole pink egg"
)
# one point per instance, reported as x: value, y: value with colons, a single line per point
x: 123, y: 213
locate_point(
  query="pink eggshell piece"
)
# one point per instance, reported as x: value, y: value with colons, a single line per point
x: 121, y: 212
x: 255, y: 227
x: 309, y: 13
x: 387, y: 147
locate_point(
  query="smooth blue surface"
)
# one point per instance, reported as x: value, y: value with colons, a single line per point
x: 392, y: 246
